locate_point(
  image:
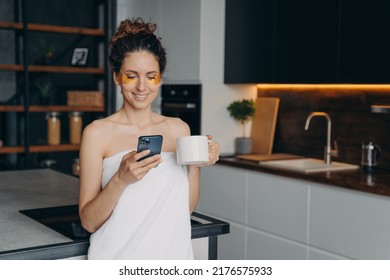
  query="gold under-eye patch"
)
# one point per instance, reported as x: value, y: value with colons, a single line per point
x: 124, y: 79
x: 154, y: 80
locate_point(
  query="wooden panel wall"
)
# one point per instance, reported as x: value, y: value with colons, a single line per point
x: 352, y: 121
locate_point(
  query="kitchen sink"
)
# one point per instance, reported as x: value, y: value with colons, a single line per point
x: 308, y: 165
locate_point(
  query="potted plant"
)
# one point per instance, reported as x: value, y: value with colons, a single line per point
x: 45, y: 90
x: 242, y: 111
x: 47, y: 52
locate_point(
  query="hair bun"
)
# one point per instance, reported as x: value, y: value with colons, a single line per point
x: 133, y: 27
x: 135, y: 35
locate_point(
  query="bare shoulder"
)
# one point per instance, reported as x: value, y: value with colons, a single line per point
x: 178, y: 127
x: 96, y: 135
x: 98, y: 128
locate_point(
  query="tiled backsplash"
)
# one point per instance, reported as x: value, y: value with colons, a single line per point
x: 350, y: 112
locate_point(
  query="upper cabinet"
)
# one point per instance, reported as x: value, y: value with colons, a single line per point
x: 249, y: 41
x: 327, y: 41
x: 306, y: 41
x: 364, y: 41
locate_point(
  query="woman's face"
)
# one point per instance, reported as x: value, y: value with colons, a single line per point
x: 139, y: 79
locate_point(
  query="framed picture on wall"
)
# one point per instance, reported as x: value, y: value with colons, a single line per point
x: 79, y: 57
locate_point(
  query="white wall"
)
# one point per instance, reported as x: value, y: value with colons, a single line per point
x: 147, y: 10
x: 216, y: 95
x: 193, y: 33
x: 180, y: 32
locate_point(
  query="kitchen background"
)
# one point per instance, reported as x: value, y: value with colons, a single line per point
x: 329, y: 56
x: 194, y: 35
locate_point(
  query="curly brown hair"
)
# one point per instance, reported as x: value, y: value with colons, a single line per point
x: 132, y: 36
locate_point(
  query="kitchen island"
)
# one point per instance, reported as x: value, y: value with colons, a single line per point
x: 25, y: 238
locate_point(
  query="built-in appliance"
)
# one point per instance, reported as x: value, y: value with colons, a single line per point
x: 66, y: 221
x: 183, y: 101
x: 62, y: 219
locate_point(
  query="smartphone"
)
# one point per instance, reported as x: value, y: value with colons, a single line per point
x: 150, y: 142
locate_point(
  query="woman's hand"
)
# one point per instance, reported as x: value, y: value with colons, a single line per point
x: 131, y: 171
x: 213, y: 152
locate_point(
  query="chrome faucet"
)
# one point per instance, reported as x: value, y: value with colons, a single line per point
x: 328, y: 153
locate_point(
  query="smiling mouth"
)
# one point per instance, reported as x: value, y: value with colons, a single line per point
x: 141, y: 97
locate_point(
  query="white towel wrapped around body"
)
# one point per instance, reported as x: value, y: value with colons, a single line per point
x: 151, y: 219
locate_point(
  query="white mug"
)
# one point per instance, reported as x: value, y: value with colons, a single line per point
x: 192, y: 149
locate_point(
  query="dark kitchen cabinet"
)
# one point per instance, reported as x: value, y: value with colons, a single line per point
x: 306, y: 41
x: 249, y: 41
x: 303, y: 41
x: 365, y: 41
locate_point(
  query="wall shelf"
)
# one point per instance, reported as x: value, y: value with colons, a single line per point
x: 65, y: 29
x: 11, y: 67
x: 12, y: 150
x: 43, y: 39
x: 11, y: 108
x: 53, y: 69
x: 55, y: 108
x: 53, y: 148
x: 382, y: 109
x: 10, y: 25
x: 66, y: 69
x: 52, y: 28
x: 37, y: 108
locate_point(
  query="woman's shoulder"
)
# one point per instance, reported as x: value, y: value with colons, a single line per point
x: 177, y: 125
x: 99, y: 127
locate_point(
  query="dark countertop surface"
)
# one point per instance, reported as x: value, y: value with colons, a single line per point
x: 376, y: 182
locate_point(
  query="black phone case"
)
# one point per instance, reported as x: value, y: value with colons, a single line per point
x: 150, y: 142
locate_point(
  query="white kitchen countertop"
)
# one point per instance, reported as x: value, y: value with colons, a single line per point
x: 24, y: 238
x: 20, y: 190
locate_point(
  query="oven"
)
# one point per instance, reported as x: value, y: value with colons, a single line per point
x: 183, y: 101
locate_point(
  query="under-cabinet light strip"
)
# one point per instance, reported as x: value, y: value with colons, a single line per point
x: 347, y: 87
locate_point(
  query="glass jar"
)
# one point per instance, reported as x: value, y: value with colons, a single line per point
x: 48, y: 163
x: 76, y: 167
x: 75, y: 127
x: 53, y: 128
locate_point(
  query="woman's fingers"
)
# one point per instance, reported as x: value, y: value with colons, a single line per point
x: 213, y: 153
x: 132, y: 170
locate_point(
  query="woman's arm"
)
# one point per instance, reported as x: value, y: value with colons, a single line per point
x: 194, y: 186
x: 194, y: 173
x: 96, y: 204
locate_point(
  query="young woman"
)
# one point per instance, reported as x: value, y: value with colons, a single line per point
x: 137, y: 209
